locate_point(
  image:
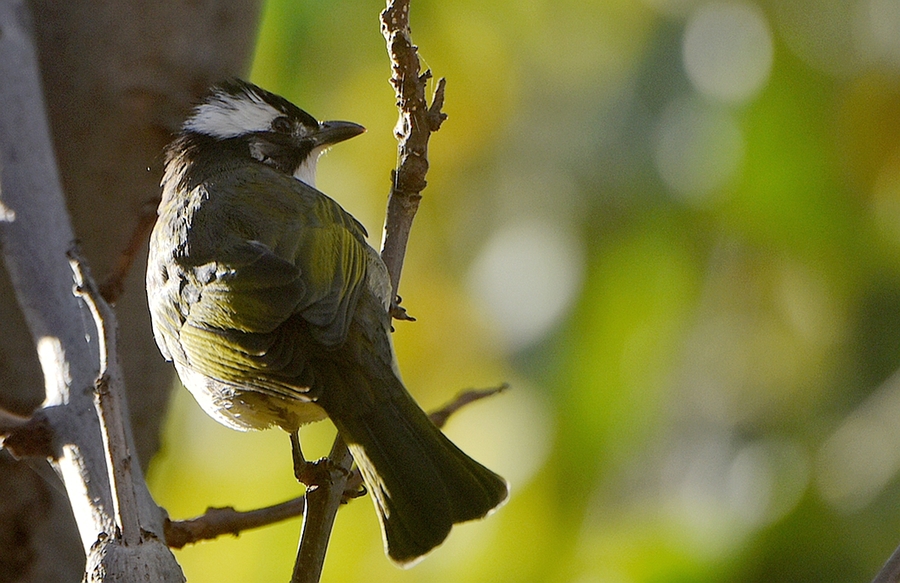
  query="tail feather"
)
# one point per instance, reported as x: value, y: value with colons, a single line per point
x: 420, y: 481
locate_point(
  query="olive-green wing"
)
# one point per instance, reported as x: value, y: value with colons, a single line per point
x: 269, y: 250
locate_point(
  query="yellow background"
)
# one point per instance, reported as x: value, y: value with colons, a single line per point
x: 673, y: 227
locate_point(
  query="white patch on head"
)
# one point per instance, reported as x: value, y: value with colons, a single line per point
x: 226, y: 116
x: 306, y: 172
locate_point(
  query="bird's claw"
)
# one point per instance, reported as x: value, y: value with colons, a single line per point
x: 398, y: 312
x: 351, y: 493
x: 314, y: 474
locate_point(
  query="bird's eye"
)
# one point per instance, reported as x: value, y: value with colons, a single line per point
x: 282, y: 125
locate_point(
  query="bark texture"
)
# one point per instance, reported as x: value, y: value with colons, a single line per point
x: 118, y: 76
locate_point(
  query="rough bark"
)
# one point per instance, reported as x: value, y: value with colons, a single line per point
x: 118, y: 77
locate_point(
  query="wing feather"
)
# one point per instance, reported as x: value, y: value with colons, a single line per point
x: 269, y: 263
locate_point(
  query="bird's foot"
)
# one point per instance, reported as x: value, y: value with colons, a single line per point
x: 314, y: 474
x: 310, y: 474
x: 322, y: 473
x: 398, y: 312
x: 355, y: 488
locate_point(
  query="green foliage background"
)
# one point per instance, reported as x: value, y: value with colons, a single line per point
x: 703, y: 376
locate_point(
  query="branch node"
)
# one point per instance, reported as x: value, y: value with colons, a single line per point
x: 101, y: 385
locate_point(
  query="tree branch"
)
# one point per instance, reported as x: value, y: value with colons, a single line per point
x: 417, y: 121
x: 109, y: 394
x: 114, y: 283
x: 35, y: 234
x: 218, y: 521
x: 440, y: 416
x: 414, y: 127
x: 10, y: 422
x: 322, y: 504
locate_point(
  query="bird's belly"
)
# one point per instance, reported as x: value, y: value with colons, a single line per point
x: 244, y: 409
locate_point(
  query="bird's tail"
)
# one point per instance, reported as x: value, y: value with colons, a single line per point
x: 420, y: 481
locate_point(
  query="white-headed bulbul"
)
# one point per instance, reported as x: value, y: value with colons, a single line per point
x: 275, y: 310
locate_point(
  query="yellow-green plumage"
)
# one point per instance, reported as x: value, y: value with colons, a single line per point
x: 274, y: 309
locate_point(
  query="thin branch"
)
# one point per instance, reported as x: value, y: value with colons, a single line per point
x: 110, y: 407
x: 440, y: 416
x: 218, y: 521
x: 9, y: 421
x: 35, y: 234
x: 417, y: 121
x: 322, y: 504
x: 114, y: 283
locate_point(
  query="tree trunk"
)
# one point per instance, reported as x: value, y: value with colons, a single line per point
x: 118, y: 76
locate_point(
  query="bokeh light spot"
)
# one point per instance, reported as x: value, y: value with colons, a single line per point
x: 820, y: 32
x: 510, y: 433
x: 698, y: 149
x: 766, y: 480
x: 863, y: 455
x: 878, y: 30
x: 727, y: 51
x: 526, y: 278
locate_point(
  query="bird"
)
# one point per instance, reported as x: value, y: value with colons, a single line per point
x: 275, y: 310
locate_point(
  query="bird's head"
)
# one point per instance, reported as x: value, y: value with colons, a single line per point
x: 274, y: 131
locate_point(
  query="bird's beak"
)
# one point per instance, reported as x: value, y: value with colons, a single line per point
x: 332, y: 132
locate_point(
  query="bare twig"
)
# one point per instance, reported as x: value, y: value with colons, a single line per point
x: 110, y: 408
x: 114, y: 282
x: 218, y: 521
x: 9, y: 421
x: 440, y: 416
x: 322, y: 504
x: 417, y: 121
x: 35, y: 233
x: 413, y: 129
